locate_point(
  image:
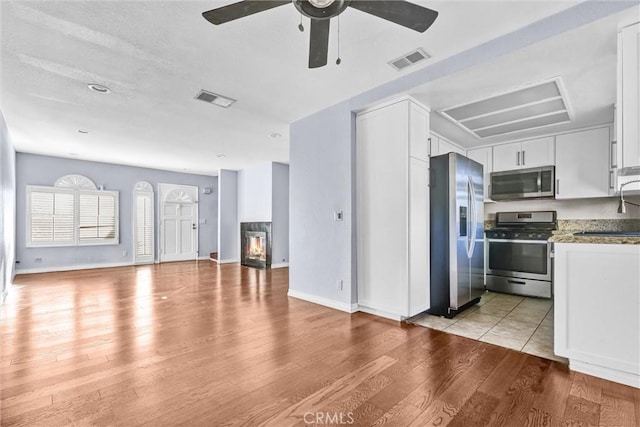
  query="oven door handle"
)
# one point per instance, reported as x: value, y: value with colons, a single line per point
x: 535, y: 242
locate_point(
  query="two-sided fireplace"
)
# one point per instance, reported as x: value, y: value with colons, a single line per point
x: 255, y: 241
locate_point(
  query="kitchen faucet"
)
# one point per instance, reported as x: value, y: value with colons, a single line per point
x: 621, y: 205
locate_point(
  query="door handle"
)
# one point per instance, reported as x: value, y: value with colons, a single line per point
x: 557, y: 186
x: 516, y: 282
x: 517, y: 158
x: 523, y: 163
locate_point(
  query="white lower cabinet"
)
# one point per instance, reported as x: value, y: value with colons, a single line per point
x: 392, y: 204
x: 597, y: 309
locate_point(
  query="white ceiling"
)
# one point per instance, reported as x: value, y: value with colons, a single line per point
x: 155, y: 57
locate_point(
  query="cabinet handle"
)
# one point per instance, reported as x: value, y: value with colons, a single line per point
x: 614, y: 155
x: 611, y: 180
x: 523, y: 163
x: 429, y: 147
x: 518, y: 158
x: 557, y: 186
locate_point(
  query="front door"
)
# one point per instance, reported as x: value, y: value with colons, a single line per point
x: 178, y: 222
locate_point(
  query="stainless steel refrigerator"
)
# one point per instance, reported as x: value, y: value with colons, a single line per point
x: 457, y: 233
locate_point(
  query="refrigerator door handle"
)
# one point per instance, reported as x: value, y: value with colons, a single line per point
x: 474, y: 218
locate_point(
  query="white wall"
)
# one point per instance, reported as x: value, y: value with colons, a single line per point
x: 280, y: 214
x: 601, y: 208
x: 7, y: 209
x: 228, y: 225
x: 321, y: 182
x: 255, y: 193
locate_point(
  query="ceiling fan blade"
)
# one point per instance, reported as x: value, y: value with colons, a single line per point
x: 319, y: 43
x: 403, y: 13
x: 240, y: 10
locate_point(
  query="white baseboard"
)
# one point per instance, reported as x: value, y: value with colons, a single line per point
x: 280, y: 265
x: 614, y: 375
x: 204, y: 258
x: 72, y: 268
x: 381, y: 313
x: 342, y: 306
x: 228, y: 261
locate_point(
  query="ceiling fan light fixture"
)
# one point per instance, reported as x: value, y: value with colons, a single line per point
x: 321, y: 4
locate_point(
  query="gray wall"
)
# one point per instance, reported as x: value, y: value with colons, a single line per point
x: 7, y: 208
x: 280, y: 214
x: 44, y: 170
x: 228, y: 225
x: 255, y: 193
x: 321, y: 182
x: 321, y: 157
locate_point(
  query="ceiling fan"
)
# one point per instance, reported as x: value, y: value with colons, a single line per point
x: 320, y: 12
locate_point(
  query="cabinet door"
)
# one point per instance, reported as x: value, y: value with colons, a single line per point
x: 418, y: 237
x: 447, y: 147
x: 506, y: 157
x: 582, y: 164
x: 382, y: 206
x: 418, y: 133
x: 484, y: 156
x: 629, y: 95
x: 538, y: 152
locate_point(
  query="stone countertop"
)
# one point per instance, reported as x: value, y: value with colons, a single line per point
x: 616, y: 240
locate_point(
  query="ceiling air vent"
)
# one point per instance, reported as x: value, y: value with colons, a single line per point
x: 535, y: 106
x: 409, y: 59
x: 215, y: 99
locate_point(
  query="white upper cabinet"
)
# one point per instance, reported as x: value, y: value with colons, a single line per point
x: 440, y: 146
x: 628, y: 98
x: 525, y: 154
x: 582, y: 164
x: 484, y: 156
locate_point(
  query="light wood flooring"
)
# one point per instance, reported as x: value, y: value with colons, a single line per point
x: 202, y: 344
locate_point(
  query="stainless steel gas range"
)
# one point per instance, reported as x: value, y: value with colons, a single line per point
x: 519, y: 254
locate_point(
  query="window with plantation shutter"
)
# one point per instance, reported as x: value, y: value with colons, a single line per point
x: 143, y: 226
x: 71, y: 216
x: 51, y: 216
x: 97, y: 216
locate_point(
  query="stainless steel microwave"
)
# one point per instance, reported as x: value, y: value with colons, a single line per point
x: 532, y: 183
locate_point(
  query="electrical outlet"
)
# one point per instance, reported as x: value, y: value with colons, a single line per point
x: 339, y: 284
x: 124, y: 253
x: 37, y: 259
x: 338, y: 216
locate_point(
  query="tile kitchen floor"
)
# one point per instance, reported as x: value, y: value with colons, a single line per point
x: 521, y: 323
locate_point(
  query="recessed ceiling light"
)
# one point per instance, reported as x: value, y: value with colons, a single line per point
x: 275, y: 135
x: 98, y: 88
x: 82, y: 131
x: 221, y: 156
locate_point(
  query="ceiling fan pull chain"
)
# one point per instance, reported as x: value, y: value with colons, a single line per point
x: 300, y: 27
x: 338, y: 61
